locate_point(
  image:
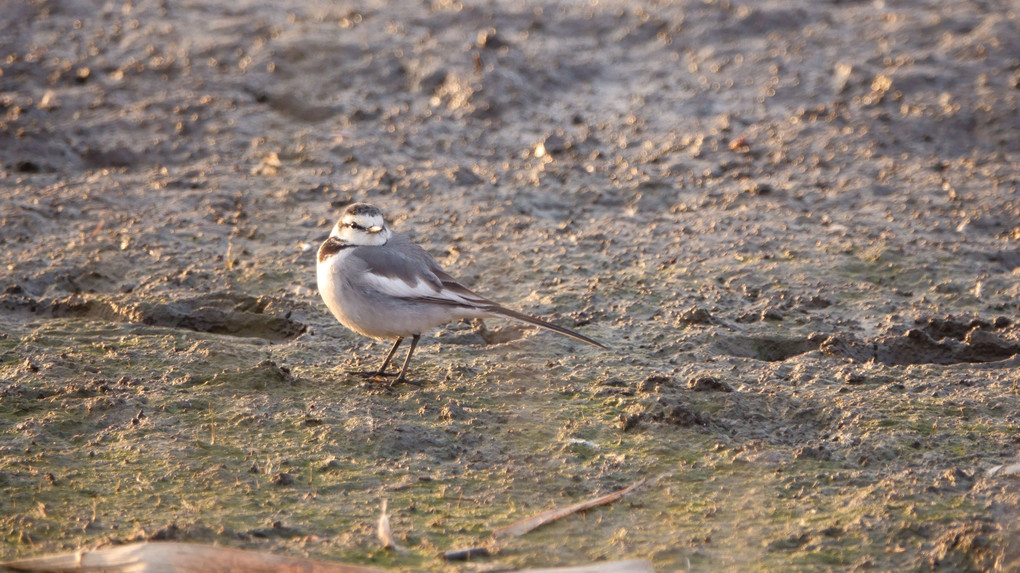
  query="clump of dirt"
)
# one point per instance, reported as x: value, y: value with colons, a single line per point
x: 935, y: 341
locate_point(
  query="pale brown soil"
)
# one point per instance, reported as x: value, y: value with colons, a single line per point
x: 797, y: 223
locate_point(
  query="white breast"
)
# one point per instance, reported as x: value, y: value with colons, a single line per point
x: 335, y: 289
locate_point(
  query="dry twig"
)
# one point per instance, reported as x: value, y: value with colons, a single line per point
x: 525, y: 525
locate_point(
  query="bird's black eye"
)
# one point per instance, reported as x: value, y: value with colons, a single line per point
x: 356, y: 226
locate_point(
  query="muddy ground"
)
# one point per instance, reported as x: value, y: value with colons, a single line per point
x: 796, y: 223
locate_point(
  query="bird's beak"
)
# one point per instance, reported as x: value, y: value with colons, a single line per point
x: 375, y: 229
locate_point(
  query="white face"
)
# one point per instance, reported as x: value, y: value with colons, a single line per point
x: 361, y: 229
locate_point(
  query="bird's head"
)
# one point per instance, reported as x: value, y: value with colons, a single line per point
x: 361, y: 224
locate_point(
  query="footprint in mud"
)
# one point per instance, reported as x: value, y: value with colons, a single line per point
x: 767, y: 348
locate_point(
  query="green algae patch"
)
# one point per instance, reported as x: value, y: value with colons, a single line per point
x: 138, y: 435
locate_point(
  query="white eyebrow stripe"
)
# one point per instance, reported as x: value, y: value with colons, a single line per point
x: 364, y: 221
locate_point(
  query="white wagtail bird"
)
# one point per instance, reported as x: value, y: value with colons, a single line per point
x: 378, y: 283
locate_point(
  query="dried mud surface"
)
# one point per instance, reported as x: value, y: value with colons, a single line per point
x: 797, y: 224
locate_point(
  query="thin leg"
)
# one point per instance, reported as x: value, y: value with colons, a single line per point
x: 382, y: 369
x: 410, y: 351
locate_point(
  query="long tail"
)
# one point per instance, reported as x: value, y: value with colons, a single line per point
x: 539, y: 322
